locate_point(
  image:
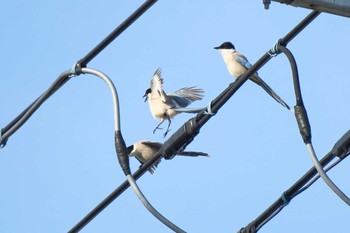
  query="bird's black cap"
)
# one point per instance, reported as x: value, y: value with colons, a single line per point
x: 146, y: 93
x: 225, y: 45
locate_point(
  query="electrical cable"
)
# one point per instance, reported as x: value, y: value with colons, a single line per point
x: 150, y: 207
x: 324, y: 176
x: 306, y: 186
x: 113, y: 90
x: 130, y: 179
x: 15, y: 124
x: 304, y: 125
x: 114, y: 34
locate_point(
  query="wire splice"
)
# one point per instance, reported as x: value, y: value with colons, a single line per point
x: 180, y: 139
x: 120, y: 148
x: 303, y: 123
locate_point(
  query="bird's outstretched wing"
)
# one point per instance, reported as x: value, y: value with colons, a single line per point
x: 157, y: 84
x: 185, y: 96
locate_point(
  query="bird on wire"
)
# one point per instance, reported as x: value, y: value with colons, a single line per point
x: 165, y: 106
x: 237, y: 64
x: 144, y: 150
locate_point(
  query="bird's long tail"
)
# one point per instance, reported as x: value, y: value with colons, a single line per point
x: 193, y: 153
x: 189, y: 110
x: 256, y: 79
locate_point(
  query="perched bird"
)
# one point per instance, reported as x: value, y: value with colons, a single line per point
x: 145, y: 150
x: 237, y: 64
x: 165, y: 106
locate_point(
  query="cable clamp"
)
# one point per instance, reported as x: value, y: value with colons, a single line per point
x: 208, y: 111
x: 76, y: 69
x: 285, y: 199
x: 273, y: 52
x: 250, y: 228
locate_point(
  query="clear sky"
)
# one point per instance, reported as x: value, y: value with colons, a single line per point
x: 62, y: 162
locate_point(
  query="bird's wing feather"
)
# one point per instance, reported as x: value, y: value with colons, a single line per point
x: 185, y: 96
x: 157, y: 84
x: 153, y: 145
x: 243, y: 61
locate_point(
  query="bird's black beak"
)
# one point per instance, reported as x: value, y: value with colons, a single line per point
x: 129, y: 149
x: 216, y: 47
x: 145, y: 96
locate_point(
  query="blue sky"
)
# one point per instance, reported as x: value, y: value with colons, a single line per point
x: 62, y: 162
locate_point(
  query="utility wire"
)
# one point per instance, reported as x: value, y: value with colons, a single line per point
x: 324, y: 176
x: 15, y: 124
x: 115, y: 33
x: 306, y: 186
x: 298, y: 187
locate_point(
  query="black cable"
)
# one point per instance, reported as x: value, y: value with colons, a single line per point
x: 306, y: 186
x: 303, y: 183
x: 299, y: 109
x: 15, y: 124
x: 114, y: 34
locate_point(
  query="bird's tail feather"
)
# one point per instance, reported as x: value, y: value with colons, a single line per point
x: 268, y: 89
x: 189, y: 110
x: 193, y: 153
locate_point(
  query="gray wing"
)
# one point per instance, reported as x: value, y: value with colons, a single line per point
x: 185, y: 96
x: 153, y: 145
